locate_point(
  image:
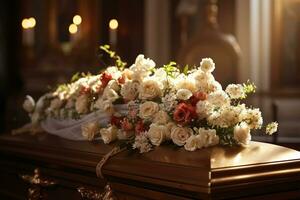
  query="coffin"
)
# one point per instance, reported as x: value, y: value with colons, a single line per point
x: 260, y: 171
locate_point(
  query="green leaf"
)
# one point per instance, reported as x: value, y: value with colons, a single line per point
x: 117, y: 59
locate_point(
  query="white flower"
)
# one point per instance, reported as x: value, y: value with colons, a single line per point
x: 129, y: 90
x: 235, y: 91
x: 207, y: 65
x: 207, y: 137
x: 184, y: 94
x: 192, y: 143
x: 150, y: 89
x: 113, y: 84
x: 90, y: 130
x: 114, y: 72
x: 161, y: 117
x: 271, y: 128
x: 253, y: 118
x: 35, y: 117
x: 141, y: 142
x: 203, y: 81
x: 110, y: 94
x: 157, y: 134
x: 169, y: 102
x: 225, y: 117
x: 104, y: 105
x: 184, y: 82
x: 56, y: 104
x: 241, y: 133
x: 179, y: 135
x: 141, y: 68
x: 109, y: 134
x: 148, y: 110
x: 160, y: 75
x: 82, y: 104
x: 218, y: 99
x: 170, y: 126
x: 40, y: 104
x: 29, y: 104
x: 203, y: 109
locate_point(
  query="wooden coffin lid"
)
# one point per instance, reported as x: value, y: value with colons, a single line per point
x: 205, y: 171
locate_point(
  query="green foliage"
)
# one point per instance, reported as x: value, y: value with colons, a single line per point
x: 226, y: 136
x: 171, y: 69
x: 118, y: 62
x: 249, y: 87
x: 186, y: 69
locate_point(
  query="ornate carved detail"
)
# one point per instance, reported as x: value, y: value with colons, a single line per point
x: 37, y: 184
x: 87, y: 194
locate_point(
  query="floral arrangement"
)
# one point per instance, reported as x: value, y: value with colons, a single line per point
x: 186, y: 108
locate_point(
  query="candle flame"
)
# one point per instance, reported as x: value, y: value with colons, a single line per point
x: 73, y: 29
x: 77, y: 19
x: 113, y: 24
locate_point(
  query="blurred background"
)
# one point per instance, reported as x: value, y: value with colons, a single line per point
x: 42, y: 43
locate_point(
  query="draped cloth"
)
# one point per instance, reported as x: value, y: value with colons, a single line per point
x: 71, y: 128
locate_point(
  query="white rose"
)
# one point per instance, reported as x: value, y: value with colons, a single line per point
x: 207, y: 65
x: 157, y: 134
x: 170, y: 126
x: 161, y: 117
x: 104, y: 105
x: 179, y: 135
x: 235, y: 91
x: 82, y: 104
x: 56, y: 104
x: 184, y: 94
x: 242, y: 133
x: 148, y: 109
x: 150, y: 89
x: 90, y: 130
x: 29, y: 104
x: 109, y: 134
x: 110, y: 94
x: 129, y: 90
x: 191, y: 143
x: 207, y: 137
x: 40, y: 104
x: 113, y: 84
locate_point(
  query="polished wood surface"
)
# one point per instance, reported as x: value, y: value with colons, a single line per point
x: 217, y: 172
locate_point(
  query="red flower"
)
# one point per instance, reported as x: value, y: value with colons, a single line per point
x: 121, y: 80
x: 85, y: 90
x: 198, y: 96
x: 140, y: 127
x: 184, y: 113
x: 126, y: 125
x: 105, y: 78
x: 116, y: 121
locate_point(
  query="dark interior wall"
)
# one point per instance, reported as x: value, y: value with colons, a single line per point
x: 10, y: 81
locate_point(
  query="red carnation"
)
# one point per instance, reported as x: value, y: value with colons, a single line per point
x: 140, y: 127
x: 198, y: 96
x: 184, y: 113
x: 116, y: 121
x: 126, y: 125
x: 105, y: 78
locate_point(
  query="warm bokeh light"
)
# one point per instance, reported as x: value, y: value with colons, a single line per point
x: 32, y: 22
x: 25, y: 23
x: 73, y: 29
x: 113, y: 24
x: 28, y: 23
x: 77, y: 19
